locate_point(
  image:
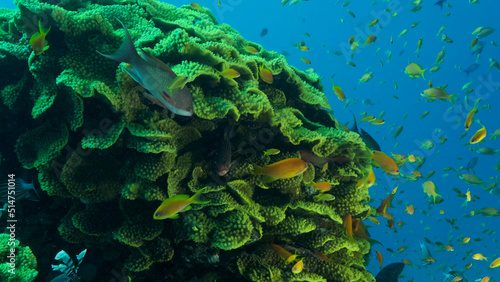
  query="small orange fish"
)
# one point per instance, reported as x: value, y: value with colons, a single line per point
x: 171, y: 207
x: 380, y: 258
x: 297, y: 268
x: 409, y: 209
x: 37, y: 40
x: 407, y: 262
x: 385, y: 162
x: 449, y: 248
x: 306, y: 61
x: 303, y: 48
x: 282, y: 252
x: 322, y: 186
x: 429, y: 259
x: 485, y: 279
x: 338, y: 91
x: 347, y: 220
x: 283, y: 169
x: 266, y: 75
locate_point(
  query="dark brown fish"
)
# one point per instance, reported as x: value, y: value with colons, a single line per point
x: 223, y: 159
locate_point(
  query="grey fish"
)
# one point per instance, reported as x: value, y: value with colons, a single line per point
x: 472, y: 163
x: 367, y: 138
x: 223, y: 160
x: 440, y: 3
x: 155, y: 76
x: 472, y: 68
x: 390, y: 273
x: 425, y: 252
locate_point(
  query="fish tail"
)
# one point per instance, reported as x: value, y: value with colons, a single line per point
x: 423, y: 73
x: 127, y: 52
x: 257, y: 170
x: 43, y: 31
x: 195, y: 199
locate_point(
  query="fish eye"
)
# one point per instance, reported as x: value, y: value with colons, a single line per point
x: 189, y: 109
x: 305, y: 165
x: 157, y: 214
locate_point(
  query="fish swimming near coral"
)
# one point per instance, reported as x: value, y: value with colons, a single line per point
x: 223, y: 160
x: 155, y: 76
x: 171, y: 207
x: 38, y: 41
x: 367, y: 138
x: 390, y: 273
x: 283, y: 169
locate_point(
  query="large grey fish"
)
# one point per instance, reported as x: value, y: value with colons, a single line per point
x: 390, y: 273
x: 367, y: 138
x: 155, y: 76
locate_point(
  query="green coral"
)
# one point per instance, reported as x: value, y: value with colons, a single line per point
x: 23, y: 266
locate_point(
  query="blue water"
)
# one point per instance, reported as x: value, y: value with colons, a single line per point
x: 322, y: 20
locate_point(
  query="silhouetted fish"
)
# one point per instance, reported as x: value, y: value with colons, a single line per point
x: 369, y: 141
x: 390, y: 273
x: 472, y: 68
x: 264, y: 32
x: 440, y: 3
x: 472, y: 163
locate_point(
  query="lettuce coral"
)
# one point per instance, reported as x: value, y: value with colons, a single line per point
x: 113, y: 156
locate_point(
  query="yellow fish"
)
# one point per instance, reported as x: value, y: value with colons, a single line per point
x: 414, y: 70
x: 465, y: 241
x: 283, y: 169
x: 495, y: 263
x: 437, y: 93
x: 338, y: 91
x: 229, y: 73
x: 468, y: 120
x: 171, y: 207
x: 266, y: 75
x: 297, y: 268
x: 37, y: 40
x: 178, y: 83
x: 479, y: 257
x: 478, y: 136
x: 366, y: 77
x: 431, y: 190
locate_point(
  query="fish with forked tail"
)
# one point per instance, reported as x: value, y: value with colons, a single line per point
x: 155, y: 76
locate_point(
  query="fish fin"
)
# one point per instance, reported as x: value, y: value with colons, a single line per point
x: 175, y: 216
x: 256, y: 170
x: 34, y: 37
x: 135, y: 76
x: 423, y: 71
x: 156, y: 62
x: 175, y: 198
x: 196, y: 197
x: 127, y: 52
x: 268, y: 178
x: 42, y: 30
x: 188, y: 207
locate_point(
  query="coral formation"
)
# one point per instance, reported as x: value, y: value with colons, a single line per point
x: 23, y: 267
x: 114, y: 156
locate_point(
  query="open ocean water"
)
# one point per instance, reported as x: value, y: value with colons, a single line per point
x: 325, y: 28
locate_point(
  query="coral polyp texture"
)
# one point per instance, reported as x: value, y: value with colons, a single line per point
x: 113, y: 156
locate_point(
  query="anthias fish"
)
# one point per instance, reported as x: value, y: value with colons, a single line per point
x: 155, y: 76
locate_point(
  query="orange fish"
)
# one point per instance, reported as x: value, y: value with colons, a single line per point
x: 266, y: 75
x: 407, y: 262
x: 171, y: 207
x: 195, y: 5
x: 409, y: 209
x: 385, y: 162
x: 282, y: 252
x: 303, y: 48
x: 322, y: 186
x: 37, y: 40
x: 347, y: 220
x: 380, y: 258
x: 283, y: 169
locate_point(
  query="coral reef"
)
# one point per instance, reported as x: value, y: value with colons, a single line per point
x: 24, y: 261
x: 113, y: 156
